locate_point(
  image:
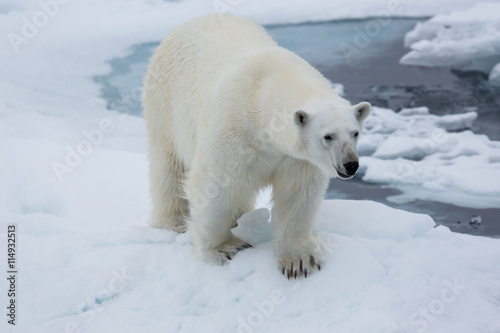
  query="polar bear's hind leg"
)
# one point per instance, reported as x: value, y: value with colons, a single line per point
x: 170, y: 207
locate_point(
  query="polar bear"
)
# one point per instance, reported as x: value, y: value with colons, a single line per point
x: 229, y: 112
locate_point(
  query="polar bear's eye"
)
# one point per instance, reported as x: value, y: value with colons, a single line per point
x: 356, y: 134
x: 327, y: 137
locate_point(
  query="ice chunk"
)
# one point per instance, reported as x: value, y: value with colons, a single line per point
x: 475, y: 219
x: 342, y: 216
x: 494, y: 77
x: 414, y: 111
x: 426, y: 156
x: 456, y: 122
x: 467, y: 39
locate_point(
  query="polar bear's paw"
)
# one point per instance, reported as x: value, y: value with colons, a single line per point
x: 176, y: 224
x: 227, y: 251
x: 293, y: 265
x: 180, y: 228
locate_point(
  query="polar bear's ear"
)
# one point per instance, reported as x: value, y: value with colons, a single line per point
x: 362, y: 110
x: 300, y: 117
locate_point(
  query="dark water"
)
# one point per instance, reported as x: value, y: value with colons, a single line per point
x: 371, y: 72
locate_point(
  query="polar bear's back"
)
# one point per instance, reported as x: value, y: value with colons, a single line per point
x: 208, y: 45
x: 220, y: 38
x: 185, y: 68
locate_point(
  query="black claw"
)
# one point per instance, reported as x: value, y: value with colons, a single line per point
x: 228, y: 257
x: 301, y: 268
x: 283, y: 270
x: 288, y: 274
x: 295, y: 275
x: 319, y: 267
x: 305, y: 273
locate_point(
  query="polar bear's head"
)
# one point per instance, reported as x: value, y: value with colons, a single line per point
x: 328, y: 132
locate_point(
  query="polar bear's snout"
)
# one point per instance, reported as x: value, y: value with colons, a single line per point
x: 348, y: 169
x: 345, y: 159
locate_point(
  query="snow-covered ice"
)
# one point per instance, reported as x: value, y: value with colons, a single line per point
x: 89, y: 263
x: 466, y: 39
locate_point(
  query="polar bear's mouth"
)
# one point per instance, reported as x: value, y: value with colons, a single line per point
x: 343, y: 175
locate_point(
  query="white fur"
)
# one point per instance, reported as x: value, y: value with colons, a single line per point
x: 220, y: 101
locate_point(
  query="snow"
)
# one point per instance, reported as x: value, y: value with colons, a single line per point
x: 431, y: 157
x: 467, y: 39
x: 73, y: 178
x: 386, y: 271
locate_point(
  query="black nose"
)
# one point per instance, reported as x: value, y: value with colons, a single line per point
x: 351, y: 168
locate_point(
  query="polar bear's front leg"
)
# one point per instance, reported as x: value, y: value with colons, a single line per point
x: 215, y: 207
x: 297, y: 194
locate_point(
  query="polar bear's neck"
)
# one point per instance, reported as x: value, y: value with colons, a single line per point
x: 287, y: 83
